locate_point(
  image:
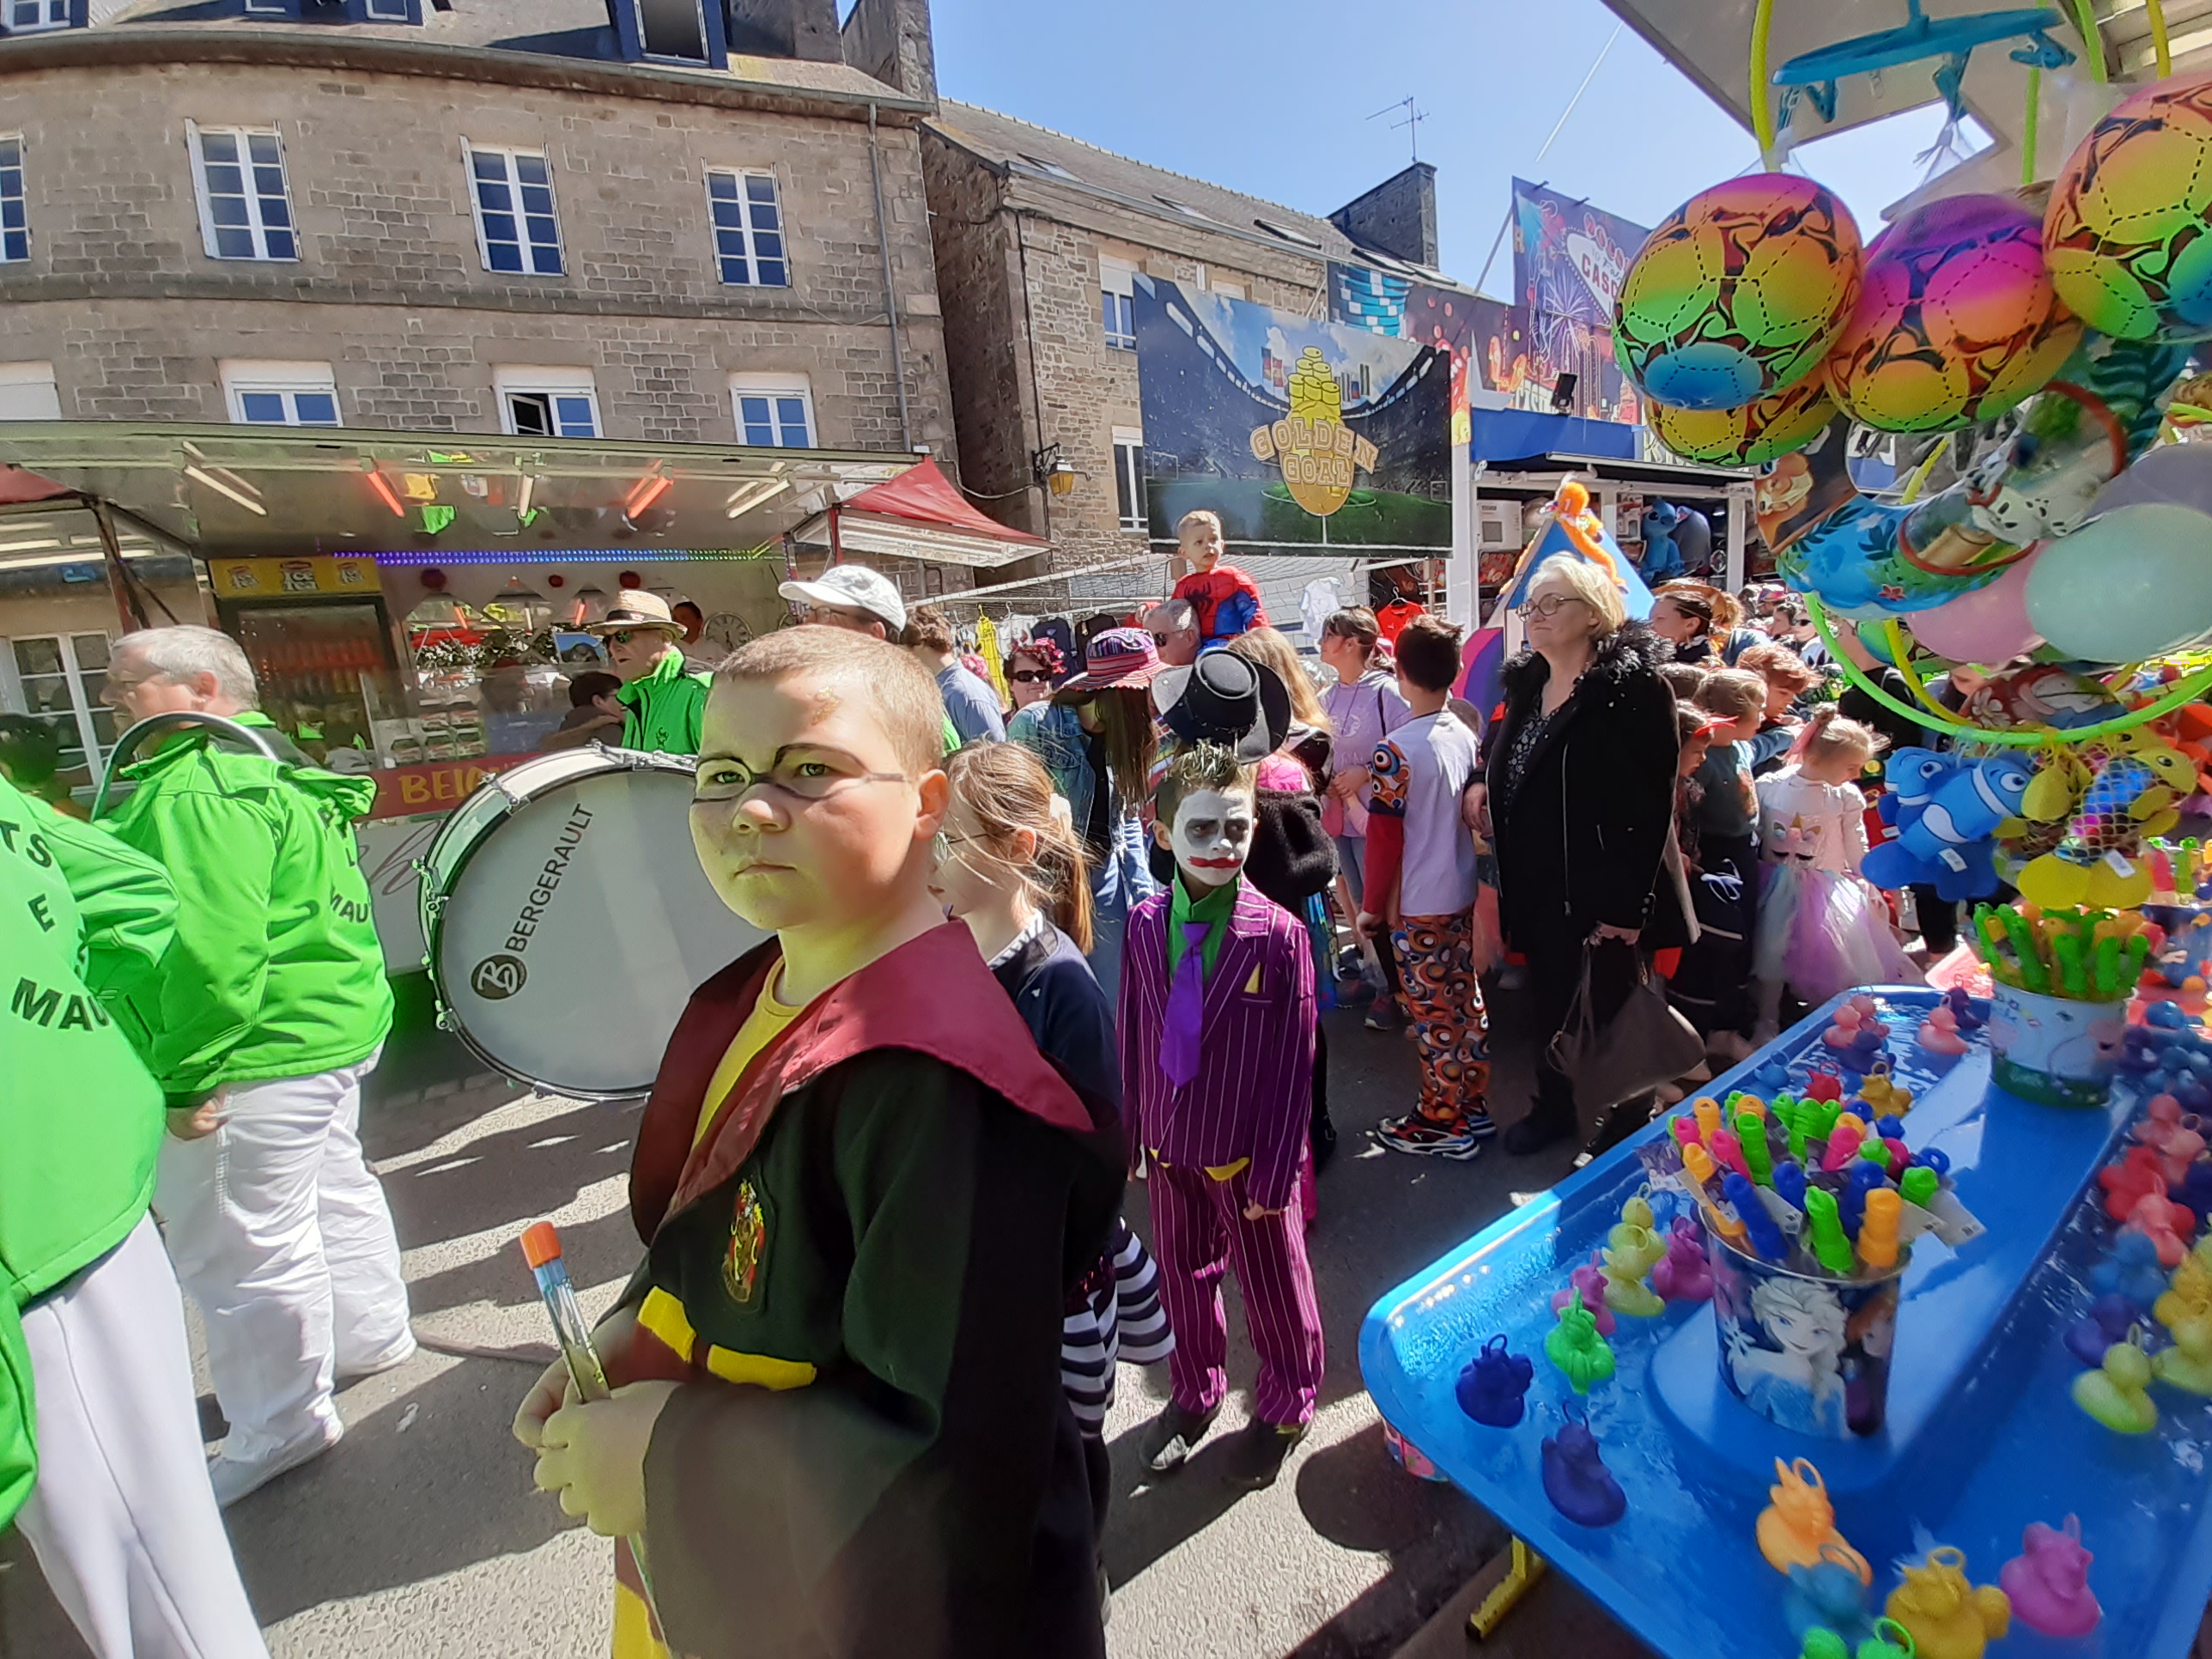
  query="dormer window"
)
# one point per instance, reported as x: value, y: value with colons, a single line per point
x: 685, y: 33
x: 354, y: 12
x: 39, y: 16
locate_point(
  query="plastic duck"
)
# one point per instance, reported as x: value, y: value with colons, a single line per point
x: 1938, y: 1033
x: 1824, y: 1084
x: 1798, y: 1528
x: 1969, y: 1017
x: 2187, y: 1302
x: 2131, y: 1271
x: 1853, y: 1043
x: 2108, y: 1321
x: 1683, y: 1274
x: 2194, y: 1189
x: 1632, y: 1238
x: 1574, y: 1345
x: 2049, y: 1582
x: 1946, y: 1617
x: 1885, y: 1094
x: 2167, y: 1225
x: 1588, y: 1281
x: 2187, y: 1364
x: 1827, y: 1596
x: 2115, y: 1393
x: 2125, y: 1184
x: 1491, y: 1386
x: 2160, y: 1123
x: 1889, y: 1641
x: 2182, y: 1151
x: 1626, y: 1293
x: 1870, y: 1013
x: 1576, y: 1481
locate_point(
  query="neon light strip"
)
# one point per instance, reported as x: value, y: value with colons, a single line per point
x: 567, y: 556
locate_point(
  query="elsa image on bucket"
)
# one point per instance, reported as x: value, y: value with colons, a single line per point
x: 1784, y: 1354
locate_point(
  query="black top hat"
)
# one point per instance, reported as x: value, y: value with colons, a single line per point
x: 1233, y: 701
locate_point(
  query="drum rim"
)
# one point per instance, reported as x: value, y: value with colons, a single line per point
x: 434, y: 921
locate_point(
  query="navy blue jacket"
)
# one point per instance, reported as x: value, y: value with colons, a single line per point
x: 1057, y: 996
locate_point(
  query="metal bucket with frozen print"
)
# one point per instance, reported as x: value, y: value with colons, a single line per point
x: 2054, y: 1050
x: 1806, y: 1352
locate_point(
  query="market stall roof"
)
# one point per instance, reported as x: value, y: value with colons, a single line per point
x: 918, y: 515
x: 1607, y: 469
x: 245, y: 491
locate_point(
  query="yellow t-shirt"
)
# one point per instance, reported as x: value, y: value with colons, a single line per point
x: 762, y: 1026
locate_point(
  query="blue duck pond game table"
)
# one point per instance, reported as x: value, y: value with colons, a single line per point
x: 1982, y: 1436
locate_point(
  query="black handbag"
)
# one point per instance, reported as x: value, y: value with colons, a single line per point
x: 1646, y: 1042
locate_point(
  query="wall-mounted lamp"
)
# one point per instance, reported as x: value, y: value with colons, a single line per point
x: 1052, y: 471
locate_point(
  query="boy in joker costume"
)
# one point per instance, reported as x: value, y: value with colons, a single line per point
x: 1216, y: 1025
x: 864, y: 1195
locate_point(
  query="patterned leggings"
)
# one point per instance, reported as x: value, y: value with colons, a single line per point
x: 1444, y: 998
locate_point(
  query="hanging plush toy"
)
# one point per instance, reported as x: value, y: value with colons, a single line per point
x: 1950, y: 844
x: 2131, y: 795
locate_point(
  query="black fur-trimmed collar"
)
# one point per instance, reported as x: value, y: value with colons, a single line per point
x: 1630, y: 648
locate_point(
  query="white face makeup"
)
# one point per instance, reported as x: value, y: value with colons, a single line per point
x: 1212, y: 837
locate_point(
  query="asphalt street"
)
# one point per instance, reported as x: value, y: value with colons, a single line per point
x: 419, y: 1536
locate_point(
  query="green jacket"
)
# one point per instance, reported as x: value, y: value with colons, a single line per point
x: 81, y: 916
x: 664, y: 710
x: 275, y: 970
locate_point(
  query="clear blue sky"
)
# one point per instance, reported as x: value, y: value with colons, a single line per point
x: 1270, y: 98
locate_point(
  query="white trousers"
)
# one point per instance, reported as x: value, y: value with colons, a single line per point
x: 122, y: 1519
x: 282, y: 1236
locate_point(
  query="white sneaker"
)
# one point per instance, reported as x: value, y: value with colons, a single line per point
x: 233, y: 1478
x: 397, y: 1354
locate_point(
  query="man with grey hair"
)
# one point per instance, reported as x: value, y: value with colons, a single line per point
x: 270, y: 1008
x: 1173, y: 624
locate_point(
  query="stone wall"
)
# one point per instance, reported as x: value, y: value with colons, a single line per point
x: 391, y: 288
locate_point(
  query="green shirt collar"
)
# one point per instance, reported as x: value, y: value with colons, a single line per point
x: 1215, y: 907
x: 669, y: 668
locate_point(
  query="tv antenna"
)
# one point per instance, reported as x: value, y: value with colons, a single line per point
x: 1411, y: 120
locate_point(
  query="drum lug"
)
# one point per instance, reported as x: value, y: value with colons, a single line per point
x: 445, y: 1015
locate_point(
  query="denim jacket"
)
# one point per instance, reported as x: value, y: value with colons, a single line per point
x: 1054, y: 735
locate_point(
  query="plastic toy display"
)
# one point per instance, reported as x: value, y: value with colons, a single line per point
x: 1491, y: 1386
x: 1576, y: 1481
x: 1947, y: 1616
x: 2125, y: 229
x: 2048, y: 1582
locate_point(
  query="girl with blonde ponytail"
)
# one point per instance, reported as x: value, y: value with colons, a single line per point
x: 1011, y: 865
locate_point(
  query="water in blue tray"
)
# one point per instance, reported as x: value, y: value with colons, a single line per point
x: 1982, y: 1437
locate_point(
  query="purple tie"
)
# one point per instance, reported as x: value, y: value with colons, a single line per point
x: 1186, y: 1011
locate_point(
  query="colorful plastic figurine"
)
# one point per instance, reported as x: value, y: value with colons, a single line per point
x: 2194, y: 1189
x: 2187, y: 1364
x: 1844, y: 1141
x: 1963, y: 1012
x: 1576, y: 1481
x: 1949, y: 846
x: 1491, y: 1386
x: 2108, y: 1321
x: 1798, y: 1528
x: 1626, y: 1293
x: 1882, y: 1091
x: 2125, y: 1184
x: 1828, y: 1595
x: 2116, y: 1393
x: 1946, y: 1617
x: 1824, y: 1084
x: 1683, y: 1274
x: 2182, y: 1152
x: 1588, y: 1281
x: 1852, y: 1040
x: 1938, y: 1033
x: 2160, y: 1123
x: 2049, y: 1582
x: 2167, y: 1225
x: 1574, y: 1345
x: 2187, y: 1306
x: 2132, y: 1271
x: 1632, y: 1236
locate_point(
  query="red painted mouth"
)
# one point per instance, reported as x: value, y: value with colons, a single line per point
x: 1215, y: 864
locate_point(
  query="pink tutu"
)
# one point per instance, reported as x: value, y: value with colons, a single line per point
x: 1822, y: 933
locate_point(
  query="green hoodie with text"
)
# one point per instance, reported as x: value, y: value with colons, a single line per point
x: 83, y: 919
x: 275, y: 970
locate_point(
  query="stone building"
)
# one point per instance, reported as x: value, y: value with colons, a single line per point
x: 1039, y: 237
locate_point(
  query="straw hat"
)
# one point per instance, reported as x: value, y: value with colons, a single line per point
x: 636, y: 609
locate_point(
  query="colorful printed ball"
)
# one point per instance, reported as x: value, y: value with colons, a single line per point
x: 1750, y: 437
x: 1739, y: 294
x: 2129, y: 231
x: 1957, y: 319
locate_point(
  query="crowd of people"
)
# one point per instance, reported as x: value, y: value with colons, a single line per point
x: 1025, y: 948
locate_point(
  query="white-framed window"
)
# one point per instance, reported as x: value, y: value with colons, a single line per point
x: 263, y: 394
x: 57, y: 678
x: 674, y: 30
x: 517, y: 230
x: 27, y: 393
x: 15, y: 224
x: 28, y: 16
x: 539, y: 402
x: 772, y: 410
x: 1129, y: 477
x: 1117, y: 288
x: 246, y: 208
x: 1229, y: 290
x: 389, y: 11
x: 748, y: 220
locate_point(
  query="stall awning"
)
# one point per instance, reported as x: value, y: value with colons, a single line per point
x: 918, y: 515
x: 245, y: 491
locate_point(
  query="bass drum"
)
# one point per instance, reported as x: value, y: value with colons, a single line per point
x: 569, y: 921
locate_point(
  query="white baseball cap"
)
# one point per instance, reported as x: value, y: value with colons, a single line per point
x: 852, y: 587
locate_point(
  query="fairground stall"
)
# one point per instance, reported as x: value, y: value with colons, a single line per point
x: 1896, y: 1338
x: 414, y: 607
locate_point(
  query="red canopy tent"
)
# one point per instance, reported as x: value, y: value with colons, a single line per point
x: 920, y: 515
x: 21, y: 487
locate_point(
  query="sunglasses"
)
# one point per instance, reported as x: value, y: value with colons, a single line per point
x: 1029, y: 676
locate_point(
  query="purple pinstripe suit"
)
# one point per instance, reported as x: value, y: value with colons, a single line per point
x: 1246, y: 1112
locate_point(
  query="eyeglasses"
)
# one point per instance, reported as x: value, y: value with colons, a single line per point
x: 725, y: 780
x: 1158, y: 638
x: 1031, y: 676
x: 1548, y: 606
x: 626, y: 636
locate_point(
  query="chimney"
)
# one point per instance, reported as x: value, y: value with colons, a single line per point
x: 785, y: 29
x: 890, y: 40
x: 1397, y: 217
